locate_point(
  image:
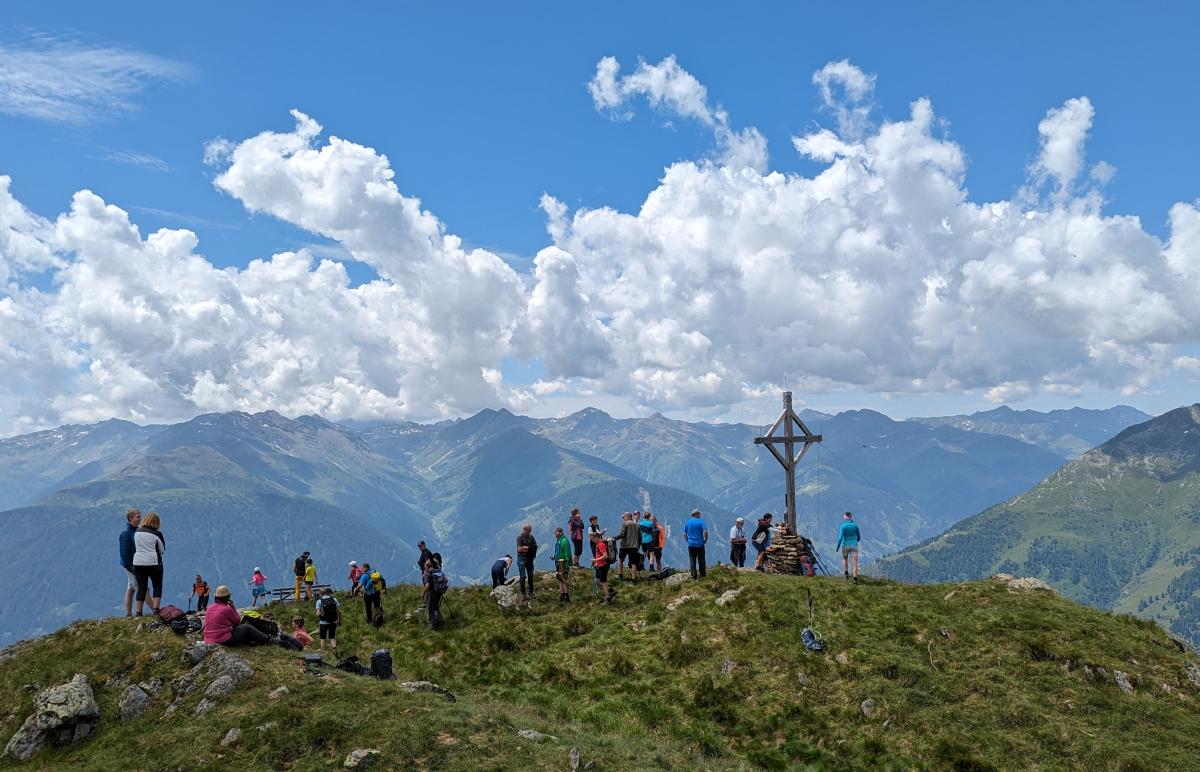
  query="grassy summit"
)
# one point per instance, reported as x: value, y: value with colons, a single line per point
x: 969, y: 675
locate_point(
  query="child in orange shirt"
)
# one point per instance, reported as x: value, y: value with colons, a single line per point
x: 299, y: 633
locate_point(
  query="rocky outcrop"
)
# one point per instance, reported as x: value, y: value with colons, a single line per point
x: 506, y: 595
x: 1024, y: 583
x: 534, y: 735
x: 427, y: 686
x: 682, y: 599
x: 729, y: 596
x: 674, y: 580
x: 137, y: 698
x: 360, y: 758
x: 62, y: 715
x: 227, y: 672
x: 784, y: 553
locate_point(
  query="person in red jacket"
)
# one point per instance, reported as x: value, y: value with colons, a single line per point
x: 600, y: 565
x: 223, y: 624
x: 355, y: 574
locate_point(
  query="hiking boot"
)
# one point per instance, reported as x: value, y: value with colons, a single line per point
x: 856, y: 580
x: 847, y: 576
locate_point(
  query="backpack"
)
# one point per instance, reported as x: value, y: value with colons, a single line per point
x: 327, y: 610
x: 377, y: 619
x: 170, y: 613
x: 352, y: 665
x: 180, y: 626
x: 438, y: 581
x: 299, y: 566
x: 381, y: 664
x: 378, y: 580
x: 264, y: 626
x: 611, y: 551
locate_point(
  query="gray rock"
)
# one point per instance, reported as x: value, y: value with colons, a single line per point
x: 360, y: 758
x: 534, y: 735
x: 1024, y: 583
x: 803, y: 679
x: 134, y: 702
x: 729, y: 596
x: 427, y: 686
x: 151, y: 687
x: 267, y: 726
x: 674, y: 580
x: 944, y: 632
x: 221, y: 686
x: 682, y: 599
x: 64, y: 714
x: 1123, y: 681
x: 277, y: 693
x: 949, y: 595
x: 573, y: 759
x: 506, y: 595
x: 195, y: 654
x: 1193, y: 673
x: 841, y: 658
x: 204, y: 706
x: 32, y: 687
x: 158, y: 656
x: 727, y: 667
x: 232, y: 736
x: 867, y: 707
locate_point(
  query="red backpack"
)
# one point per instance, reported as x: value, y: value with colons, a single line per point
x: 169, y: 613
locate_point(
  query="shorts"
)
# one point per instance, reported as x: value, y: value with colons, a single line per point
x: 258, y: 592
x: 627, y: 554
x: 602, y: 573
x: 760, y: 547
x: 847, y: 550
x: 328, y: 631
x: 130, y: 580
x: 648, y: 548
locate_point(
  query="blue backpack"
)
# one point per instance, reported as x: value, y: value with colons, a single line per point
x: 438, y: 581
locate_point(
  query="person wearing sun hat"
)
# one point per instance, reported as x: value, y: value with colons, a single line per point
x: 223, y: 624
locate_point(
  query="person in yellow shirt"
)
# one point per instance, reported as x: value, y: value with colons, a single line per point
x: 310, y: 578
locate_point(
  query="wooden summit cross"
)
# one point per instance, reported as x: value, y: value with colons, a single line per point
x: 789, y: 458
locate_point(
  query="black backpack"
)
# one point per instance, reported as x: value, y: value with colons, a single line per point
x: 438, y: 581
x: 611, y: 553
x: 352, y: 665
x: 290, y: 643
x: 300, y: 565
x: 264, y: 626
x: 328, y: 610
x: 381, y: 664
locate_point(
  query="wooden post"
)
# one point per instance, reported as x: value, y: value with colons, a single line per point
x: 789, y: 458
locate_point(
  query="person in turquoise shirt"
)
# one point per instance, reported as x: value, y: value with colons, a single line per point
x: 562, y: 564
x: 848, y: 539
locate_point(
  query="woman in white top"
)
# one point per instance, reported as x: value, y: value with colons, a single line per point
x: 148, y: 548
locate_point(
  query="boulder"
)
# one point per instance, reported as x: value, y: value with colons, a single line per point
x: 360, y: 758
x: 426, y: 686
x: 727, y: 667
x: 1123, y: 682
x: 232, y: 736
x: 221, y: 686
x: 136, y: 698
x: 573, y: 759
x: 203, y: 706
x: 674, y: 580
x: 195, y: 654
x: 728, y: 596
x: 228, y: 671
x: 534, y: 735
x: 1193, y: 673
x: 62, y: 714
x: 682, y: 599
x: 1024, y: 583
x: 867, y: 707
x: 276, y: 694
x: 506, y: 595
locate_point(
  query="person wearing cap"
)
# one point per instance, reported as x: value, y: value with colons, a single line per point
x: 500, y: 571
x: 848, y: 539
x: 737, y: 543
x: 258, y: 584
x: 424, y: 557
x: 697, y: 536
x: 355, y: 573
x: 298, y: 567
x: 223, y: 624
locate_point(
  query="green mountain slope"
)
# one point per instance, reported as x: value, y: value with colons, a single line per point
x: 1116, y: 528
x: 974, y: 676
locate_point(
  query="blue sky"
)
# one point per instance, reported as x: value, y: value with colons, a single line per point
x: 482, y: 108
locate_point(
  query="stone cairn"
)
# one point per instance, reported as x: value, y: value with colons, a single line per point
x: 783, y: 555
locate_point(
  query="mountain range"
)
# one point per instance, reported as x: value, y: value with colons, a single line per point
x: 1118, y: 528
x: 238, y: 490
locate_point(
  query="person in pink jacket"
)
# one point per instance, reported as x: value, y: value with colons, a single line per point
x: 355, y: 575
x: 223, y: 624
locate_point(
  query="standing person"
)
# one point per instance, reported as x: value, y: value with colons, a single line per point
x: 575, y: 524
x: 355, y: 573
x: 133, y: 518
x: 258, y: 585
x: 329, y: 616
x: 298, y: 569
x: 423, y: 558
x: 148, y: 548
x: 600, y: 564
x: 630, y: 538
x: 646, y: 533
x: 562, y: 565
x: 526, y: 551
x: 310, y: 578
x: 200, y: 593
x: 372, y: 593
x: 761, y: 540
x: 848, y: 539
x: 697, y: 537
x: 223, y: 625
x: 660, y: 540
x: 435, y: 583
x: 737, y: 543
x: 594, y: 529
x: 500, y: 571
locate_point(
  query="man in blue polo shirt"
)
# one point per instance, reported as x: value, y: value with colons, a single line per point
x: 697, y: 536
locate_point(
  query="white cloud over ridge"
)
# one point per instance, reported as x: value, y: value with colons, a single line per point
x: 878, y: 273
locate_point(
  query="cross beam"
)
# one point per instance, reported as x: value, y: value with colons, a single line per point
x: 789, y: 458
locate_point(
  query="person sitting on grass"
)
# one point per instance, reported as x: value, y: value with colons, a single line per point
x: 258, y: 583
x: 329, y: 616
x: 223, y: 625
x: 299, y: 633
